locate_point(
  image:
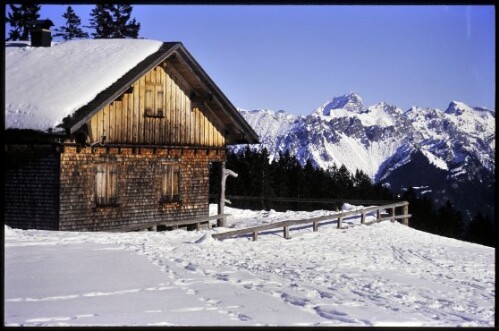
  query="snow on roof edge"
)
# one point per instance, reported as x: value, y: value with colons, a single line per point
x: 45, y: 84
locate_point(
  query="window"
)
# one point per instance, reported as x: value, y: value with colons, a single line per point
x: 170, y: 184
x: 106, y: 185
x: 154, y: 101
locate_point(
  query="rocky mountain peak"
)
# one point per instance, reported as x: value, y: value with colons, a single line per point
x: 351, y: 102
x: 458, y: 108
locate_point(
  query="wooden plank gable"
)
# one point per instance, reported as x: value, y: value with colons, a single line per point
x: 157, y: 110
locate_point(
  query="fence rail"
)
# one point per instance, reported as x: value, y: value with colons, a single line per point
x: 285, y: 225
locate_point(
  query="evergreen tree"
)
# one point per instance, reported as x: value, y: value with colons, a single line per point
x: 72, y: 28
x: 124, y: 27
x: 333, y: 186
x: 345, y: 182
x: 310, y: 182
x: 101, y: 20
x: 380, y: 192
x: 362, y: 185
x: 113, y: 21
x: 450, y: 223
x: 18, y: 19
x: 424, y: 217
x: 481, y: 231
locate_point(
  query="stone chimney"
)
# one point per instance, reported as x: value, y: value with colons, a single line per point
x: 40, y: 32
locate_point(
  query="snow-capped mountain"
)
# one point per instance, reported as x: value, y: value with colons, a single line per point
x: 383, y: 140
x: 269, y: 124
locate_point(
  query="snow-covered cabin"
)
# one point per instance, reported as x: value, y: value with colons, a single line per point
x: 111, y: 134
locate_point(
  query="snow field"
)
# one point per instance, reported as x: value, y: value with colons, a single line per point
x: 384, y: 274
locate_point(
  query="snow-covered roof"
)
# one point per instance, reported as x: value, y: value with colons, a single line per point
x: 64, y: 85
x: 45, y: 84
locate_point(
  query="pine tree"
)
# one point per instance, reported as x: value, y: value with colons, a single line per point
x: 18, y: 18
x: 113, y: 21
x: 124, y: 27
x: 424, y: 217
x: 72, y: 28
x: 362, y: 185
x: 101, y: 20
x: 481, y: 230
x: 345, y: 182
x: 333, y: 187
x: 450, y: 221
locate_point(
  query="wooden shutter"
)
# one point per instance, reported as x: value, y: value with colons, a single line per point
x: 170, y: 185
x: 106, y: 185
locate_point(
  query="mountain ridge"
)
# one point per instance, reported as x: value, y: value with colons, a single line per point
x: 382, y: 138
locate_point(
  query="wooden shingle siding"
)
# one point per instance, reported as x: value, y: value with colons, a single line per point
x: 139, y: 186
x: 31, y: 187
x: 125, y: 121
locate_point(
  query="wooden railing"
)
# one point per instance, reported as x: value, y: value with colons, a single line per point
x: 392, y: 216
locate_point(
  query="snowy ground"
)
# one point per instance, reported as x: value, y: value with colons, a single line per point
x: 383, y: 274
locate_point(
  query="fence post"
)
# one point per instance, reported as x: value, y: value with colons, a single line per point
x: 316, y: 226
x: 286, y: 232
x: 339, y: 222
x: 363, y: 218
x: 405, y: 221
x: 255, y: 236
x: 393, y: 214
x: 378, y: 215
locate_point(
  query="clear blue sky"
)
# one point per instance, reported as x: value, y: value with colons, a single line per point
x: 296, y: 57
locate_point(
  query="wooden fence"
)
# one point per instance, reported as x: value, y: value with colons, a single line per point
x: 389, y: 210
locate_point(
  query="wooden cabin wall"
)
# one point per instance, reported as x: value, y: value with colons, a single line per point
x: 138, y: 185
x: 31, y: 187
x: 125, y: 121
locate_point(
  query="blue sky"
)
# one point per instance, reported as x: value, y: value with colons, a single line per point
x: 296, y: 57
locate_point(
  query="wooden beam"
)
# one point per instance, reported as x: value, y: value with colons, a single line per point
x: 200, y: 98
